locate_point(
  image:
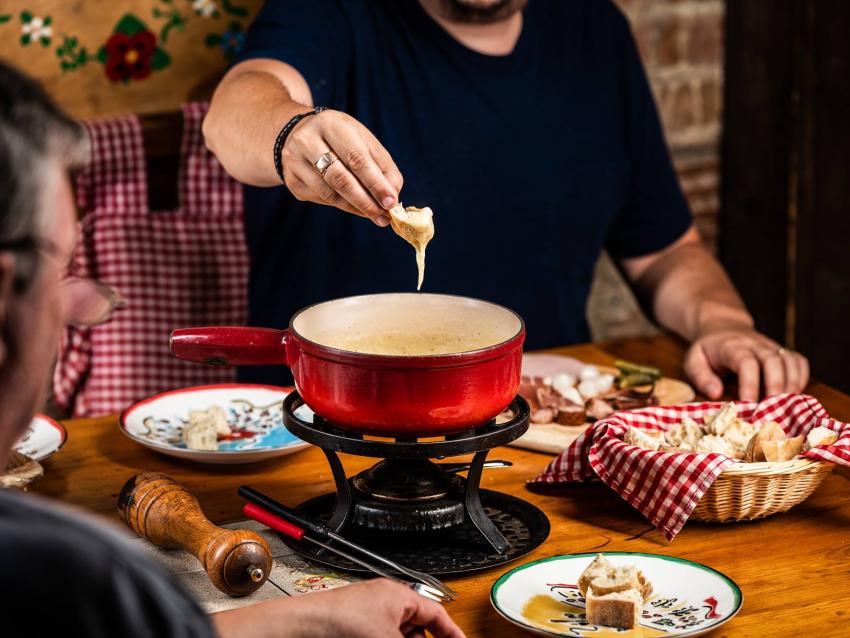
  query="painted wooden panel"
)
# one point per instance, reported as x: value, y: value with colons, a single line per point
x: 146, y: 56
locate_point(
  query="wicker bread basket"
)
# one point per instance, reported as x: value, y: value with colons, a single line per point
x: 747, y: 491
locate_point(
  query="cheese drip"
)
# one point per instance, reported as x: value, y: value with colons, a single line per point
x: 415, y: 226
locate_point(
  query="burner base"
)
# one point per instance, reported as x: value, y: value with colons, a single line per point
x: 457, y: 550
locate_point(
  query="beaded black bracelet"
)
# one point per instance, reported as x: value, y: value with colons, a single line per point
x: 284, y: 133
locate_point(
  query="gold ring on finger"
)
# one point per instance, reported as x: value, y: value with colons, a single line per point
x: 323, y: 163
x: 781, y: 351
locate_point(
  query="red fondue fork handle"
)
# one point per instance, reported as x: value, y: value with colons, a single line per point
x: 231, y: 345
x: 271, y: 521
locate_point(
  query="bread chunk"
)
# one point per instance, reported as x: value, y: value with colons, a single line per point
x: 738, y: 435
x: 200, y: 435
x: 646, y: 439
x: 618, y: 609
x: 784, y: 450
x: 713, y: 443
x: 205, y: 427
x: 767, y: 431
x: 602, y: 577
x: 620, y: 579
x: 723, y: 420
x: 684, y: 434
x: 599, y: 566
x: 820, y: 436
x: 416, y: 227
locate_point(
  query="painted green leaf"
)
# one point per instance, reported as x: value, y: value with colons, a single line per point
x: 233, y: 9
x: 26, y: 16
x: 72, y: 42
x: 102, y: 55
x: 212, y: 40
x: 5, y: 18
x: 45, y: 41
x: 130, y: 25
x: 25, y: 39
x: 47, y: 20
x: 60, y: 51
x: 160, y: 59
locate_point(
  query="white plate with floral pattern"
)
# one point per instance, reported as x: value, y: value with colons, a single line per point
x: 43, y: 438
x: 688, y: 598
x: 254, y: 414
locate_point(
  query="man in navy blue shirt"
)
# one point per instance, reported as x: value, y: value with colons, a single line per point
x: 528, y: 127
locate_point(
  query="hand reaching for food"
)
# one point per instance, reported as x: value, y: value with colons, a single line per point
x: 331, y: 158
x: 749, y: 355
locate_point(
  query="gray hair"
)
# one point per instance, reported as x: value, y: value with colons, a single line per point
x: 33, y: 131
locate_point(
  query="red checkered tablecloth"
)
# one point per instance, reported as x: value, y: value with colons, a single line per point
x: 175, y: 268
x: 666, y: 487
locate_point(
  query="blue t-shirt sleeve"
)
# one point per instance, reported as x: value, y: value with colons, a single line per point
x: 313, y: 36
x: 654, y: 212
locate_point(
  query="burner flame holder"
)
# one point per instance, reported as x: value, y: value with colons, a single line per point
x: 477, y: 441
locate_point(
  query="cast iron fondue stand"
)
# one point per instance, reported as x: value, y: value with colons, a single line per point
x: 406, y: 507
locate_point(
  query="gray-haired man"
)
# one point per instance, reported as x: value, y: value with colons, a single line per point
x: 63, y: 572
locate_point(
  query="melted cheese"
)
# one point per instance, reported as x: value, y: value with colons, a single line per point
x: 407, y: 343
x: 416, y: 226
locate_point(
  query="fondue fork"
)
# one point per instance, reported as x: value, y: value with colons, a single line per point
x: 325, y: 533
x: 261, y: 515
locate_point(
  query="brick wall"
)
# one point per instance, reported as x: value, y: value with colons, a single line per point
x: 681, y: 43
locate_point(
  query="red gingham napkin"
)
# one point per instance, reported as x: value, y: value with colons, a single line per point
x: 175, y: 268
x: 666, y: 487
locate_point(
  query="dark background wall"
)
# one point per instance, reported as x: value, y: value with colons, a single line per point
x: 784, y: 221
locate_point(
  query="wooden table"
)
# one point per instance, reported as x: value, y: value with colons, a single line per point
x: 792, y: 568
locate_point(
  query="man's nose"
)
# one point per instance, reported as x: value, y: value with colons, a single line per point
x: 87, y: 302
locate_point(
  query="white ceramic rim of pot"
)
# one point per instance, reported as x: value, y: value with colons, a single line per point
x: 506, y: 314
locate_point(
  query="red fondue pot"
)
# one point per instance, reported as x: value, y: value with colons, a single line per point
x: 386, y: 394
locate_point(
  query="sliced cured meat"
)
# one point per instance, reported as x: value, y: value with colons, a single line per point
x: 528, y: 390
x: 572, y: 415
x: 549, y: 398
x: 599, y: 409
x: 543, y: 415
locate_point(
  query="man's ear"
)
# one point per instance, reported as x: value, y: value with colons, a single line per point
x: 7, y: 298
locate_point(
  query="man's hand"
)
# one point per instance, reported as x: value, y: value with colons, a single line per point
x: 251, y: 104
x: 691, y: 294
x: 750, y: 356
x: 363, y: 179
x: 374, y: 609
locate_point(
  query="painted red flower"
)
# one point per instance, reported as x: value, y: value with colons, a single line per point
x: 129, y: 56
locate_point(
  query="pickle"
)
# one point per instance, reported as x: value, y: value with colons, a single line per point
x: 628, y: 368
x: 634, y: 379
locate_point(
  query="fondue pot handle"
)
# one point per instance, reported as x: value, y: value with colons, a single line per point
x: 231, y: 345
x: 164, y: 512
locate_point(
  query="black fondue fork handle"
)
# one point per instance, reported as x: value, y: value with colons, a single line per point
x: 269, y: 519
x: 323, y: 532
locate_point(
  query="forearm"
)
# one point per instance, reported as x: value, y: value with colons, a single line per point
x: 279, y: 618
x: 691, y: 294
x: 247, y: 111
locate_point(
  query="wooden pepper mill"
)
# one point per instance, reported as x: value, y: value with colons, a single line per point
x: 164, y: 512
